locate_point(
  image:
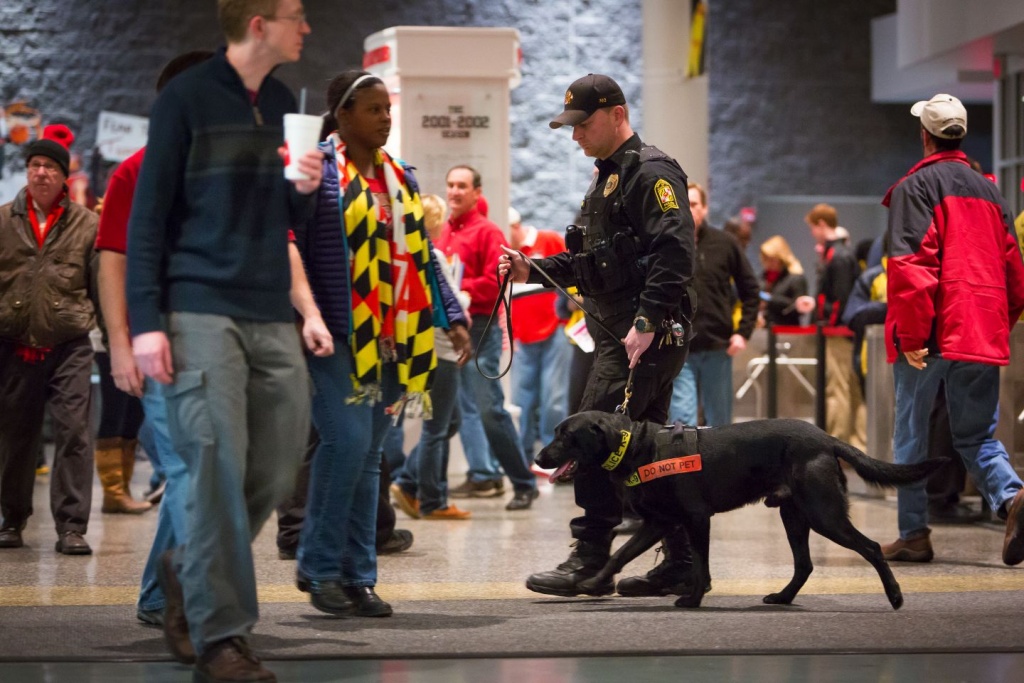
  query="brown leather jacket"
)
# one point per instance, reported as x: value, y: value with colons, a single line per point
x: 45, y: 294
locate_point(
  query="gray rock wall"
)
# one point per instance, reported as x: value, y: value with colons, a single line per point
x: 789, y: 83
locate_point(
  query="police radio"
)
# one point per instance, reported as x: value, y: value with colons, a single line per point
x: 574, y: 239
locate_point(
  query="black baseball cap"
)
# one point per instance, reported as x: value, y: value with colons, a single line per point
x: 585, y: 96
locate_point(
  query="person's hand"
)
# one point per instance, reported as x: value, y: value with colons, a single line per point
x: 636, y: 343
x: 125, y: 372
x: 316, y: 336
x: 515, y: 261
x: 310, y: 164
x: 916, y: 358
x: 804, y: 304
x: 459, y: 336
x: 736, y: 344
x: 152, y: 351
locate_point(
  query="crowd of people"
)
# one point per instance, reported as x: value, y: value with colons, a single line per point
x: 238, y: 305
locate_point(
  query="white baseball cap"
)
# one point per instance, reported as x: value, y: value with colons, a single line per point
x: 941, y: 113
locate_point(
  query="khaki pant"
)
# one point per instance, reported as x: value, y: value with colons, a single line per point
x: 845, y: 412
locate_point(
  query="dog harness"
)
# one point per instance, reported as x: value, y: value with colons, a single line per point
x: 675, y: 452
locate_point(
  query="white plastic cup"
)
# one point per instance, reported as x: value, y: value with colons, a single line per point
x: 301, y: 135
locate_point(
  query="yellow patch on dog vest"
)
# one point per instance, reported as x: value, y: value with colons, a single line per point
x: 686, y: 464
x: 615, y: 458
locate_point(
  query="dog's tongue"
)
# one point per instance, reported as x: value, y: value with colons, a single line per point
x: 557, y: 474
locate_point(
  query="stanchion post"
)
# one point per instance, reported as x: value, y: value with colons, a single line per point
x: 773, y: 374
x: 819, y: 378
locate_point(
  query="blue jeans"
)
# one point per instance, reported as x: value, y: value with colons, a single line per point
x: 338, y: 537
x: 711, y: 372
x: 972, y: 392
x: 425, y: 471
x: 479, y: 457
x: 171, y: 525
x: 148, y: 442
x: 540, y: 381
x: 498, y: 426
x: 237, y: 412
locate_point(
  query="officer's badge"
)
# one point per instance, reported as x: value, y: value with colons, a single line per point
x: 613, y: 182
x: 666, y: 196
x: 568, y: 96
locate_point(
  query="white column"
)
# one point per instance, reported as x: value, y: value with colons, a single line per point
x: 675, y: 107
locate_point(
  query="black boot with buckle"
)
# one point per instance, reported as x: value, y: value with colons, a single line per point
x: 670, y: 577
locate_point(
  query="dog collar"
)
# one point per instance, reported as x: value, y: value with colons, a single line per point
x: 615, y: 458
x: 686, y: 464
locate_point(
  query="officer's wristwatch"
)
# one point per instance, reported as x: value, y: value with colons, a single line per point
x: 642, y: 324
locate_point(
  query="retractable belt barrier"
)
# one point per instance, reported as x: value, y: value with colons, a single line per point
x: 821, y: 332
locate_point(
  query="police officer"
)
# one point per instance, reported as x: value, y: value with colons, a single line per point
x: 632, y: 259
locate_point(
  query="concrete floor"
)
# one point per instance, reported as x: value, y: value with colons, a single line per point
x: 487, y: 558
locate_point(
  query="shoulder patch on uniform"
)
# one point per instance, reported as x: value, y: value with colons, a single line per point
x: 666, y: 195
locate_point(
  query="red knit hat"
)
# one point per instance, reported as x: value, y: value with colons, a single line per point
x: 60, y: 134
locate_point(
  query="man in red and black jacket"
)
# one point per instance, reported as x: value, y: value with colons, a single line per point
x: 956, y: 288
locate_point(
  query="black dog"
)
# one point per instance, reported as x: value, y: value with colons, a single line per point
x: 790, y: 464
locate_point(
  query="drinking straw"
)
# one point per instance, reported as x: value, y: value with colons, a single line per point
x: 302, y: 101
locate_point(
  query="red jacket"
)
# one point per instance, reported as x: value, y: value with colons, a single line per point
x: 535, y: 318
x: 956, y: 277
x: 478, y: 243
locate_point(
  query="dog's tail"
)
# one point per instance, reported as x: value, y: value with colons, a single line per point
x: 882, y: 473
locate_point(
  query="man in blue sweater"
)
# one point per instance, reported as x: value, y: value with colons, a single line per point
x: 208, y: 289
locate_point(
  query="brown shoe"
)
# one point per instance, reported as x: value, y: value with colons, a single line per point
x: 916, y: 549
x: 72, y: 543
x: 175, y: 624
x: 1013, y: 544
x: 232, y: 660
x: 405, y: 502
x: 450, y: 512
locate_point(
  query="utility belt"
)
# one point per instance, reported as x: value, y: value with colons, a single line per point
x: 607, y: 265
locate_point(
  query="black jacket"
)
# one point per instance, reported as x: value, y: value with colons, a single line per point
x: 722, y: 275
x: 780, y: 309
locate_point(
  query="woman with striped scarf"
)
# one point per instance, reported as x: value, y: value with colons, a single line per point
x: 371, y: 272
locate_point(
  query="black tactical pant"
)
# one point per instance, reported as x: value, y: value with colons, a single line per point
x: 606, y: 384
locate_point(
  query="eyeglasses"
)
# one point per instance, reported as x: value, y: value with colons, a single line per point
x: 298, y: 19
x: 48, y: 166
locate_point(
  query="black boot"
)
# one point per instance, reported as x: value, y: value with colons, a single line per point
x: 585, y: 561
x: 671, y: 576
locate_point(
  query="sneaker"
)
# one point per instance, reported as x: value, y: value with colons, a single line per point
x: 478, y: 489
x: 523, y: 500
x: 232, y: 660
x: 584, y: 562
x: 399, y: 541
x: 917, y: 549
x: 1013, y: 544
x: 406, y: 502
x: 450, y: 512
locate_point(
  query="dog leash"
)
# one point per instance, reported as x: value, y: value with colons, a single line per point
x: 503, y: 286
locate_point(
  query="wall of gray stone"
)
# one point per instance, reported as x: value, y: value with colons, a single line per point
x: 789, y: 83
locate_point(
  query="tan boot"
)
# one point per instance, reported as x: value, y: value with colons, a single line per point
x: 109, y: 455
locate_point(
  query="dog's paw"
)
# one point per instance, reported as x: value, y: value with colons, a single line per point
x: 896, y: 599
x: 689, y: 601
x: 777, y: 599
